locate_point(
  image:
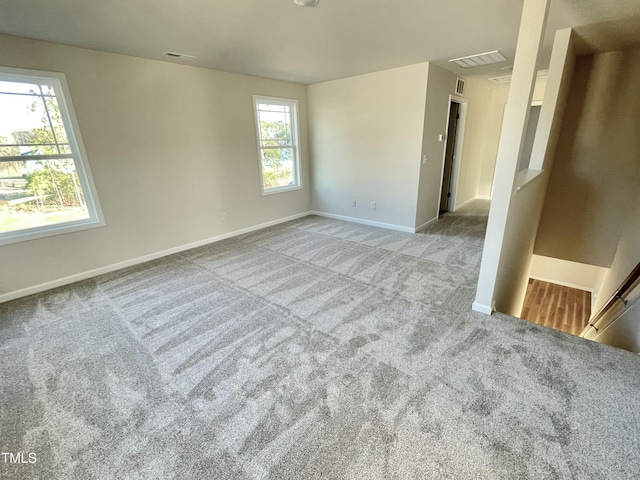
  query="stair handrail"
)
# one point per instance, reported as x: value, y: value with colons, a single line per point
x: 619, y: 295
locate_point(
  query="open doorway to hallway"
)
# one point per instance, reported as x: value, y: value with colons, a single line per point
x: 453, y: 152
x: 449, y: 156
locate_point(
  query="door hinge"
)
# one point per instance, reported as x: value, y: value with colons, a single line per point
x: 449, y: 194
x: 457, y: 115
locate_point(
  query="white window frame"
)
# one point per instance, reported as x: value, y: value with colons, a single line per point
x: 293, y: 106
x: 96, y: 219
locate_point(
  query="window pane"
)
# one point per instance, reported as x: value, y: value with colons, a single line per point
x: 8, y: 151
x: 35, y: 193
x: 24, y: 121
x: 277, y: 167
x: 275, y: 129
x: 56, y: 120
x: 48, y: 90
x: 15, y: 87
x: 269, y: 107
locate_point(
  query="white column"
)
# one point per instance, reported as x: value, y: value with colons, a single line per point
x: 530, y: 37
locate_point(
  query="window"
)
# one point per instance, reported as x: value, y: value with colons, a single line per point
x: 45, y: 182
x: 277, y: 128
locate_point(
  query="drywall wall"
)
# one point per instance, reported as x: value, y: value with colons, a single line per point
x: 170, y: 147
x: 596, y: 169
x: 563, y: 272
x: 527, y: 199
x: 497, y: 249
x: 367, y: 139
x: 440, y: 85
x: 627, y: 256
x: 516, y: 205
x: 491, y: 128
x: 478, y: 91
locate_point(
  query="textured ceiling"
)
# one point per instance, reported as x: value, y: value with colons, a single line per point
x: 276, y: 39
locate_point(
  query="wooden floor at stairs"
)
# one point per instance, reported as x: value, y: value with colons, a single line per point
x: 563, y: 308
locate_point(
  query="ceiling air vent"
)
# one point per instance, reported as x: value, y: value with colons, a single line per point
x: 502, y: 79
x: 507, y: 78
x: 460, y: 86
x: 486, y: 58
x: 183, y: 56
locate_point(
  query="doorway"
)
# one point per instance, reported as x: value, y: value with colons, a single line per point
x: 452, y: 153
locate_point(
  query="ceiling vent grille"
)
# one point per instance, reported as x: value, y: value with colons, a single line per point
x: 507, y: 78
x: 480, y: 59
x: 183, y: 56
x: 460, y: 86
x: 501, y: 79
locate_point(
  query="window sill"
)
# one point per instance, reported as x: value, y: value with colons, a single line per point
x: 49, y: 231
x: 273, y: 191
x: 524, y: 178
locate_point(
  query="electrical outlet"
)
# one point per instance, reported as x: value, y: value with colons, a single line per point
x: 425, y: 159
x: 354, y: 203
x: 373, y: 205
x: 223, y: 216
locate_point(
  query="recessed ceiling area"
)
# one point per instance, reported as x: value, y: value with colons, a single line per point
x: 278, y: 39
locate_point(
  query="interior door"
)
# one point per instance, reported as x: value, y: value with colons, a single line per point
x: 454, y: 116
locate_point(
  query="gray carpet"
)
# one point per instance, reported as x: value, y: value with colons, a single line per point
x: 313, y: 349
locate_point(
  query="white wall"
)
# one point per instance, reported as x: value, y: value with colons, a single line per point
x: 440, y: 85
x: 491, y: 127
x: 526, y: 201
x: 478, y: 91
x: 514, y: 213
x: 367, y: 139
x: 170, y: 147
x: 563, y: 272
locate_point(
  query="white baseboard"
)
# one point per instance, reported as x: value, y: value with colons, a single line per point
x: 425, y: 225
x: 466, y: 202
x: 478, y: 307
x: 564, y: 284
x: 483, y: 197
x: 362, y: 221
x: 5, y: 297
